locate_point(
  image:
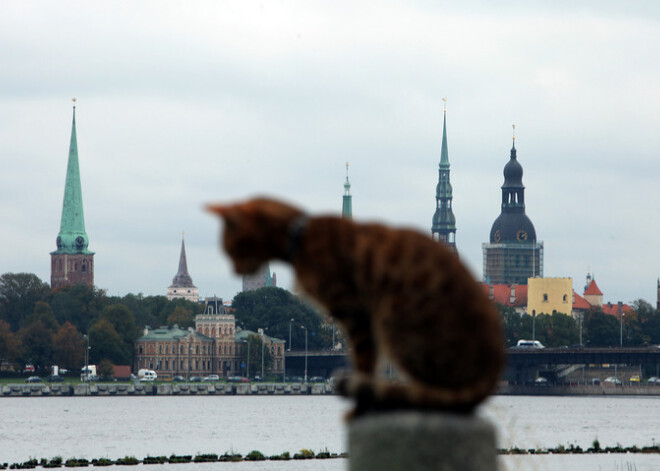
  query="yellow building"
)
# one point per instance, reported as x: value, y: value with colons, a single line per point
x: 547, y: 295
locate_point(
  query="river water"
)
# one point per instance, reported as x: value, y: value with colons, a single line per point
x: 114, y: 427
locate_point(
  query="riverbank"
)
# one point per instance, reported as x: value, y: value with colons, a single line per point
x: 577, y: 390
x: 163, y: 389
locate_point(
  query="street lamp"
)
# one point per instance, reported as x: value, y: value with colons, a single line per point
x: 621, y: 332
x: 263, y: 343
x: 247, y: 370
x: 87, y: 359
x: 305, y: 352
x: 533, y: 324
x: 290, y: 322
x: 580, y: 317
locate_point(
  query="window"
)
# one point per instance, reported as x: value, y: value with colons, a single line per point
x: 565, y: 299
x: 545, y: 297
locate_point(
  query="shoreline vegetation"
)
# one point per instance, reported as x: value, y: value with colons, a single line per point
x: 230, y: 456
x: 303, y: 454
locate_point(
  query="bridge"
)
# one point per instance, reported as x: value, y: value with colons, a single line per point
x: 522, y: 363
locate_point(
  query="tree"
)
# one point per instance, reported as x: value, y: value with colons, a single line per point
x: 123, y: 321
x: 106, y: 369
x: 182, y: 317
x: 79, y: 304
x: 43, y: 312
x: 37, y: 341
x: 11, y: 348
x: 106, y: 343
x: 18, y: 294
x: 512, y: 325
x: 602, y: 330
x: 272, y: 309
x: 69, y: 347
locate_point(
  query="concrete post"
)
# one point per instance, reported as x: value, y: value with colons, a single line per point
x: 415, y: 440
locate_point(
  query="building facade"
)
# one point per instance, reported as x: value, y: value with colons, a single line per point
x: 443, y: 227
x: 513, y: 254
x: 214, y: 346
x: 548, y: 295
x: 72, y: 263
x: 182, y: 285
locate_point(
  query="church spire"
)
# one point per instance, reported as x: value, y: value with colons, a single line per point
x: 444, y: 221
x: 182, y: 278
x: 182, y: 285
x: 72, y: 263
x: 72, y: 237
x: 347, y: 206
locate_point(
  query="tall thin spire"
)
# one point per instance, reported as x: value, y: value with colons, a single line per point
x: 444, y: 221
x: 347, y: 206
x: 72, y: 237
x: 72, y: 263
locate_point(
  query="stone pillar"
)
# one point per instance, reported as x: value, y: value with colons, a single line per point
x: 415, y: 440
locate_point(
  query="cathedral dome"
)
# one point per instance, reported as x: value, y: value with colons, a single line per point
x: 512, y: 227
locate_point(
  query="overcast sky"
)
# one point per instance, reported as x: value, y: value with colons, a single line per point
x: 184, y: 103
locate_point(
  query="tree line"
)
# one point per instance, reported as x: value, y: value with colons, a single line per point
x: 43, y: 326
x: 635, y: 329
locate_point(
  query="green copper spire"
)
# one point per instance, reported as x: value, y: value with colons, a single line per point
x: 72, y: 238
x: 443, y: 227
x: 347, y: 206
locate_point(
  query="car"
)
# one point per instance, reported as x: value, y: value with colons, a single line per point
x: 237, y: 379
x: 654, y: 380
x: 612, y: 381
x: 33, y: 379
x: 211, y: 378
x: 595, y: 381
x: 179, y: 379
x: 54, y: 379
x: 195, y: 379
x: 317, y: 379
x: 634, y: 379
x: 541, y: 381
x: 529, y: 344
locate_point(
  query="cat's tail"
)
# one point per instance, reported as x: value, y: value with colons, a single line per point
x: 374, y: 394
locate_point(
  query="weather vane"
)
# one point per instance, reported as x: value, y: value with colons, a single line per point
x: 514, y: 131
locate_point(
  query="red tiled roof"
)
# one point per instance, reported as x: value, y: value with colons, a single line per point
x: 613, y: 309
x: 592, y: 289
x: 579, y: 302
x: 502, y: 294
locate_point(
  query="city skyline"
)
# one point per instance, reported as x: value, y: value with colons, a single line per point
x: 183, y: 105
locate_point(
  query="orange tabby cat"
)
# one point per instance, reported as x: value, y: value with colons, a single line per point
x: 397, y: 293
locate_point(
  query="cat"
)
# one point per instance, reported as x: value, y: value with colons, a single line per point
x: 397, y: 293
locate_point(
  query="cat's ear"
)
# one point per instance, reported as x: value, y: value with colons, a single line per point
x: 228, y: 213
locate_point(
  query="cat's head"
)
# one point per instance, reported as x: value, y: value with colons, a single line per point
x: 255, y: 231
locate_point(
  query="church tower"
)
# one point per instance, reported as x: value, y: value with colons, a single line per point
x: 72, y: 263
x: 513, y: 254
x: 347, y: 203
x: 444, y: 222
x: 182, y: 284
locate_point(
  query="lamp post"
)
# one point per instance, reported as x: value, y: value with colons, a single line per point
x: 87, y: 359
x: 305, y: 352
x: 580, y: 316
x: 290, y: 322
x: 263, y: 344
x: 621, y: 331
x: 247, y: 370
x: 533, y: 324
